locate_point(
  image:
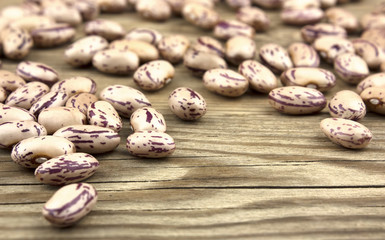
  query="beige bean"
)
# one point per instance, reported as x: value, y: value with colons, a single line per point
x: 269, y: 4
x: 112, y: 6
x: 206, y: 3
x: 275, y: 57
x: 51, y: 99
x: 350, y: 68
x: 3, y: 95
x: 156, y: 10
x: 199, y: 62
x: 348, y: 105
x: 145, y: 51
x: 373, y: 98
x: 375, y: 36
x: 17, y: 43
x: 125, y: 99
x: 53, y: 35
x: 36, y: 71
x: 12, y: 132
x: 329, y: 47
x: 310, y: 33
x: 347, y: 133
x: 301, y: 16
x: 154, y: 75
x: 69, y: 204
x: 103, y: 114
x: 372, y: 54
x: 187, y: 104
x: 10, y: 81
x: 239, y: 49
x: 88, y: 9
x: 254, y: 17
x: 81, y: 101
x: 372, y: 20
x: 27, y: 95
x: 303, y: 55
x: 14, y: 12
x: 75, y: 85
x: 209, y: 45
x: 107, y: 29
x: 147, y: 118
x: 343, y: 18
x: 172, y: 48
x: 8, y: 113
x: 68, y: 116
x: 62, y: 13
x: 33, y: 151
x: 150, y: 144
x: 236, y: 4
x: 115, y: 61
x: 30, y: 23
x: 226, y: 29
x: 300, y: 4
x: 200, y: 15
x: 144, y: 34
x: 225, y: 82
x: 374, y: 80
x: 260, y: 78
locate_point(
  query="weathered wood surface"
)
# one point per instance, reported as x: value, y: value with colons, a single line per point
x: 243, y: 171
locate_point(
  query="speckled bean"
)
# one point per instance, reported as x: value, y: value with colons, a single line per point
x: 103, y: 114
x: 317, y: 78
x: 62, y: 13
x: 260, y: 78
x: 303, y: 55
x: 17, y: 43
x: 209, y: 45
x: 226, y: 29
x: 347, y: 133
x: 53, y: 35
x: 115, y: 61
x: 68, y: 116
x: 88, y: 9
x: 27, y: 95
x: 32, y: 22
x: 235, y: 4
x: 300, y: 4
x: 75, y: 85
x: 10, y: 81
x: 144, y: 34
x: 8, y: 113
x: 372, y: 54
x: 329, y: 47
x: 254, y: 17
x: 296, y: 100
x: 107, y: 29
x: 239, y: 49
x: 351, y: 68
x: 150, y: 144
x: 156, y: 10
x: 375, y: 35
x: 301, y: 16
x: 154, y: 75
x: 12, y: 132
x: 374, y: 80
x: 112, y: 6
x: 200, y: 15
x: 81, y: 101
x: 80, y: 53
x: 269, y: 4
x: 145, y: 51
x: 51, y: 99
x: 125, y: 99
x: 66, y: 169
x: 90, y: 139
x: 69, y: 204
x: 348, y: 105
x: 36, y: 71
x: 33, y: 151
x: 372, y: 20
x: 275, y: 57
x: 172, y: 48
x: 147, y: 118
x: 374, y: 100
x: 310, y: 33
x: 225, y: 82
x: 199, y: 62
x: 187, y: 104
x: 343, y: 18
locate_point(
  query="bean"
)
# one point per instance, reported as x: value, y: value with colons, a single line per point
x: 300, y: 4
x: 12, y: 132
x: 329, y: 47
x: 199, y: 62
x: 206, y: 3
x: 348, y: 105
x: 275, y: 57
x: 124, y: 99
x: 343, y: 18
x: 235, y: 4
x: 69, y: 204
x: 8, y: 113
x: 67, y: 169
x: 296, y: 100
x: 88, y: 9
x: 149, y: 35
x: 350, y: 68
x: 347, y: 133
x: 239, y: 49
x: 51, y: 99
x: 375, y: 36
x: 372, y: 20
x: 254, y: 17
x: 172, y: 48
x: 115, y: 61
x: 225, y: 82
x: 177, y: 5
x: 145, y: 51
x: 75, y: 85
x: 150, y: 144
x: 303, y: 55
x: 68, y: 116
x: 36, y: 71
x: 301, y: 16
x: 260, y: 78
x: 107, y: 29
x: 269, y: 4
x: 156, y: 10
x: 209, y: 45
x: 374, y: 80
x: 53, y: 35
x: 226, y: 29
x: 81, y: 101
x: 112, y: 6
x: 200, y: 15
x: 26, y: 95
x: 10, y: 81
x: 310, y: 33
x: 17, y: 43
x: 3, y: 95
x: 14, y: 12
x: 147, y: 118
x: 62, y: 13
x: 30, y: 23
x: 33, y: 151
x: 187, y: 104
x: 154, y: 75
x: 103, y: 114
x: 373, y: 98
x: 372, y: 54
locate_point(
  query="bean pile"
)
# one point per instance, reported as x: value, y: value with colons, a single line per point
x: 60, y: 150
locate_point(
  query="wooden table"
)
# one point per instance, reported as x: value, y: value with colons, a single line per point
x: 244, y: 171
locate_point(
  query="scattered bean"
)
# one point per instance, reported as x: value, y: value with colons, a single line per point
x: 30, y: 23
x: 275, y: 57
x: 103, y: 114
x: 147, y: 118
x: 235, y: 4
x: 172, y: 48
x: 270, y: 4
x: 145, y: 51
x: 209, y: 45
x: 81, y: 101
x: 156, y: 10
x: 10, y: 81
x: 310, y: 33
x: 239, y: 49
x: 187, y: 104
x: 75, y: 85
x: 348, y: 105
x: 150, y: 144
x: 372, y: 54
x: 301, y: 16
x: 112, y: 6
x: 17, y: 43
x: 350, y: 68
x: 53, y: 35
x: 8, y: 113
x: 62, y: 13
x: 329, y: 47
x: 260, y: 78
x: 154, y: 75
x: 36, y: 71
x: 374, y: 80
x: 26, y: 95
x: 373, y: 98
x: 107, y: 29
x: 226, y: 29
x: 199, y: 62
x: 303, y: 55
x: 254, y: 17
x: 51, y: 99
x: 68, y: 116
x: 115, y: 61
x: 12, y: 132
x: 372, y: 20
x: 144, y: 34
x: 88, y: 9
x: 225, y: 82
x: 343, y: 18
x: 200, y: 15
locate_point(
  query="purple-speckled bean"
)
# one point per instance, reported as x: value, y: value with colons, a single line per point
x: 235, y: 4
x: 206, y: 3
x: 374, y: 80
x: 303, y: 55
x: 90, y: 139
x: 10, y: 81
x: 8, y: 113
x: 103, y: 114
x: 33, y: 151
x: 172, y: 48
x: 296, y: 100
x: 239, y: 49
x: 75, y: 85
x: 226, y: 29
x: 350, y: 67
x: 107, y: 29
x: 62, y: 13
x: 125, y: 99
x: 329, y: 47
x: 155, y: 10
x: 147, y: 118
x: 300, y: 4
x: 154, y: 75
x: 225, y: 82
x: 310, y: 33
x: 348, y: 105
x: 26, y: 95
x: 375, y: 35
x: 66, y: 169
x: 347, y: 133
x: 144, y: 34
x: 69, y: 204
x: 53, y: 35
x: 260, y: 78
x: 343, y: 18
x: 51, y: 99
x: 30, y: 23
x: 372, y: 20
x: 275, y: 57
x: 150, y: 144
x: 370, y: 52
x: 12, y: 132
x: 17, y: 43
x: 199, y: 62
x: 36, y: 71
x: 80, y: 53
x: 269, y: 4
x: 68, y: 116
x: 374, y: 100
x: 115, y: 61
x: 81, y: 101
x: 88, y: 9
x: 209, y: 45
x: 254, y: 17
x: 187, y: 104
x: 301, y: 16
x: 318, y: 78
x: 145, y: 51
x: 200, y: 15
x: 112, y: 6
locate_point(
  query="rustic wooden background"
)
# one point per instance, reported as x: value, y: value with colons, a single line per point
x: 243, y: 171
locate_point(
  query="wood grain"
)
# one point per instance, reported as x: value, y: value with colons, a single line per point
x: 243, y: 171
